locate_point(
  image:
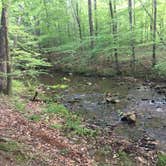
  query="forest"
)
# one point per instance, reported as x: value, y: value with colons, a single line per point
x: 82, y: 83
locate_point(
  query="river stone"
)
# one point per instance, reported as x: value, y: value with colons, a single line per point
x: 111, y: 99
x: 129, y: 117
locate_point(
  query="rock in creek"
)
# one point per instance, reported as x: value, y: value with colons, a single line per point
x: 161, y: 89
x: 109, y: 98
x: 129, y: 117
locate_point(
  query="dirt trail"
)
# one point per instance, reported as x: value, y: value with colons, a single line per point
x: 45, y: 144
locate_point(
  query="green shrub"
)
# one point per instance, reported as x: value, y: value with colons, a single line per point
x: 161, y: 68
x: 18, y: 86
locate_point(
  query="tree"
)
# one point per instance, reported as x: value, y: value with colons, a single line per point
x: 91, y: 30
x: 154, y: 32
x: 112, y: 7
x: 96, y: 20
x: 130, y: 6
x: 5, y: 67
x: 77, y: 17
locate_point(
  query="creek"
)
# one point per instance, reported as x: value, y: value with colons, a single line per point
x: 85, y: 95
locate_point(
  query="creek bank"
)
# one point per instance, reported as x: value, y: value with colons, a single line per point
x: 105, y: 68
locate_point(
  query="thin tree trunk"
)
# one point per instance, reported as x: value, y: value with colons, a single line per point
x: 152, y: 19
x: 96, y: 20
x: 78, y: 21
x: 154, y: 31
x: 91, y: 30
x: 114, y: 31
x: 130, y: 6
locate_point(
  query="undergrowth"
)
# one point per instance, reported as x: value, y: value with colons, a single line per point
x: 73, y: 123
x: 161, y: 160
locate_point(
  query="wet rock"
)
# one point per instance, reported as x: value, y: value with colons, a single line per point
x: 70, y: 74
x: 89, y: 83
x: 74, y: 100
x: 109, y: 98
x: 161, y: 89
x: 144, y: 99
x: 129, y: 117
x: 114, y: 101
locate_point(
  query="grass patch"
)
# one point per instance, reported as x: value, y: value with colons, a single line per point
x: 73, y: 123
x: 125, y: 159
x: 14, y: 149
x: 56, y: 126
x: 9, y: 146
x: 19, y: 105
x: 56, y: 109
x: 161, y: 160
x: 35, y: 118
x: 18, y: 86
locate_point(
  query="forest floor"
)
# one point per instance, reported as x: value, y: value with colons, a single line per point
x: 25, y: 142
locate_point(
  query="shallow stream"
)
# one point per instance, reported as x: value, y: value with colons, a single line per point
x: 86, y: 95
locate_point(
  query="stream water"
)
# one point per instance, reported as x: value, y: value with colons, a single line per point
x: 85, y: 95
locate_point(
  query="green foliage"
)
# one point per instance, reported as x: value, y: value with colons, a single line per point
x: 161, y: 68
x: 125, y: 159
x: 38, y: 31
x: 73, y: 123
x: 15, y: 149
x: 9, y: 146
x: 19, y: 105
x: 56, y: 109
x: 35, y: 118
x: 77, y: 128
x: 30, y: 64
x: 161, y: 160
x: 56, y: 126
x: 58, y: 86
x: 18, y: 86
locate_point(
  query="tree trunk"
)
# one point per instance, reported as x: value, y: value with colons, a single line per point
x: 154, y: 32
x: 114, y: 31
x: 3, y: 48
x: 130, y: 6
x: 96, y: 20
x: 91, y: 30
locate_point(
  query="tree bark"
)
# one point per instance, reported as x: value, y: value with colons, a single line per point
x: 96, y: 20
x: 77, y: 17
x: 5, y: 66
x: 91, y: 29
x: 114, y: 31
x: 3, y: 48
x: 154, y: 32
x: 130, y: 7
